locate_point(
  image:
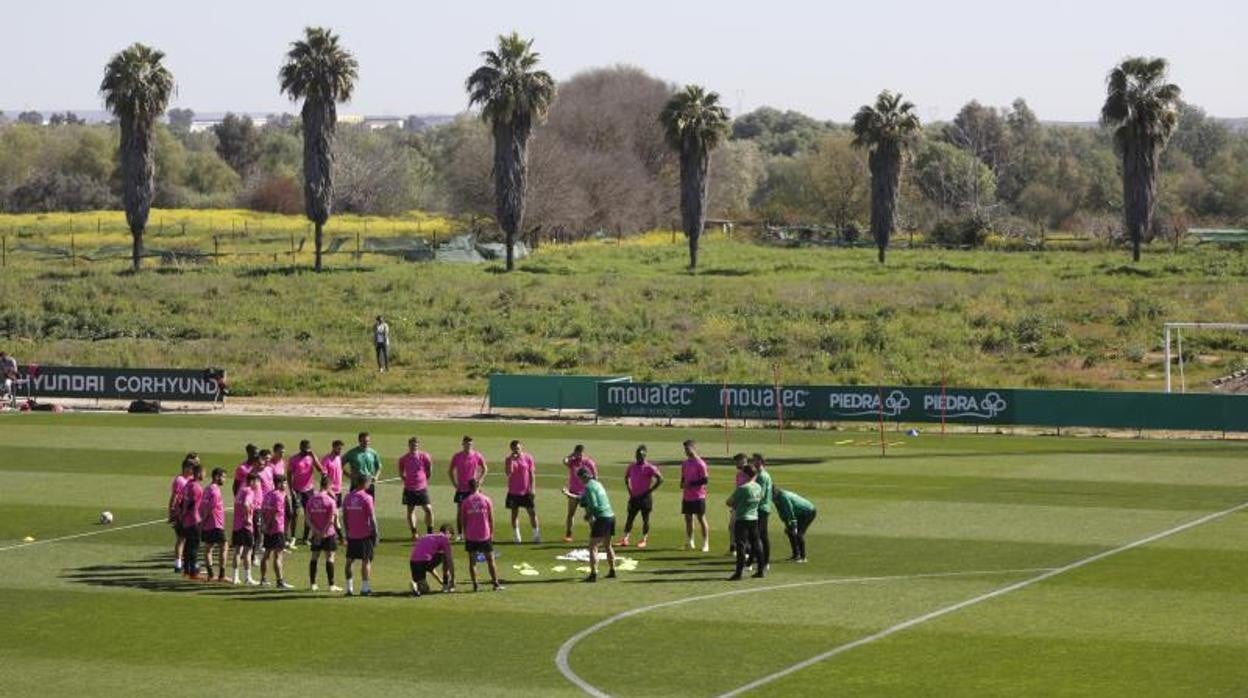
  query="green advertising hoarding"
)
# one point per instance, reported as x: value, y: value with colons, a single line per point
x: 924, y: 404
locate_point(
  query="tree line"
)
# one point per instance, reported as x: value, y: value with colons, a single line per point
x: 616, y: 150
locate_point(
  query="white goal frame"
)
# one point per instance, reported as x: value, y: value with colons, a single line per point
x: 1167, y: 327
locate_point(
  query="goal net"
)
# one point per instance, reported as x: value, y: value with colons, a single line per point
x: 1221, y: 337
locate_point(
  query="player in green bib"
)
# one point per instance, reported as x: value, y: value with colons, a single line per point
x: 763, y: 478
x: 745, y: 502
x: 601, y: 521
x: 797, y: 514
x: 364, y: 461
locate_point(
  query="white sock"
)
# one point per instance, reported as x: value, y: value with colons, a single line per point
x: 515, y: 534
x: 365, y: 588
x: 350, y: 586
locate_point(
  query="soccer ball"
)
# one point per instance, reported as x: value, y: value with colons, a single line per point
x: 106, y: 517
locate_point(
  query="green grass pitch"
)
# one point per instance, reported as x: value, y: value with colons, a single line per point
x: 937, y: 522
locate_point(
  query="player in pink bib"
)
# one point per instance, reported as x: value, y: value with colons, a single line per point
x: 477, y: 512
x: 360, y: 517
x: 642, y: 478
x: 189, y: 517
x: 302, y: 467
x: 243, y: 536
x: 273, y: 510
x: 466, y: 465
x: 322, y: 516
x: 212, y: 523
x: 693, y: 480
x: 242, y: 469
x: 574, y: 462
x: 428, y: 553
x: 331, y: 467
x: 415, y: 467
x: 175, y: 508
x: 520, y: 490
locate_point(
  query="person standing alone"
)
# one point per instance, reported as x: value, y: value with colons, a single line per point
x: 381, y: 342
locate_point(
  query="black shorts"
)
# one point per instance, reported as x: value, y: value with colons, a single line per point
x: 327, y: 544
x: 360, y: 549
x: 479, y: 546
x: 301, y: 499
x: 461, y: 495
x: 213, y: 535
x: 243, y: 539
x: 422, y: 568
x: 274, y: 541
x: 338, y: 499
x: 415, y: 498
x: 372, y: 489
x: 520, y: 501
x: 696, y: 507
x: 178, y: 530
x: 642, y: 502
x: 603, y: 527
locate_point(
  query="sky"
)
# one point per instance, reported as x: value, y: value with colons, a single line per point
x: 821, y: 58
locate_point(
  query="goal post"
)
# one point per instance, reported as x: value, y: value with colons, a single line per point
x: 1175, y: 330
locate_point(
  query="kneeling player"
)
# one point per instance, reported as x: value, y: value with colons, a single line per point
x: 477, y: 513
x: 322, y: 516
x: 601, y: 521
x: 427, y: 554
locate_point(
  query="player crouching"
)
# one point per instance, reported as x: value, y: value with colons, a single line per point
x: 428, y: 553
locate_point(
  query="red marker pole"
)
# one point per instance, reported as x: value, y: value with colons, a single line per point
x: 727, y: 399
x: 779, y: 403
x: 880, y: 394
x: 943, y: 406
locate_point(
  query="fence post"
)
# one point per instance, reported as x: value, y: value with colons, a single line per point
x: 4, y: 250
x: 73, y: 251
x: 216, y: 249
x: 97, y: 226
x: 292, y: 249
x: 357, y: 248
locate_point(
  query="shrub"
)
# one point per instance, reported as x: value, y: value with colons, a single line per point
x: 969, y: 231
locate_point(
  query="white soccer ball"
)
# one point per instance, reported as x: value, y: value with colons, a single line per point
x: 106, y: 517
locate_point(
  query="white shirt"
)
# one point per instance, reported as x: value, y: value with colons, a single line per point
x: 381, y: 333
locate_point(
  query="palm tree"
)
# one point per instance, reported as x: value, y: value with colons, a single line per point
x: 136, y: 89
x: 886, y: 129
x: 1143, y: 110
x: 322, y: 74
x: 514, y: 96
x: 694, y: 123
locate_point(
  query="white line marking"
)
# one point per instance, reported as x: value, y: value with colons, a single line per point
x: 112, y: 529
x: 978, y: 599
x: 561, y: 657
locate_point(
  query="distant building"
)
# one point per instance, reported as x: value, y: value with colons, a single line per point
x: 378, y: 122
x: 201, y: 125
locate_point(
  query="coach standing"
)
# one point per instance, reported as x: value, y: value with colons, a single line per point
x: 364, y: 462
x: 381, y: 342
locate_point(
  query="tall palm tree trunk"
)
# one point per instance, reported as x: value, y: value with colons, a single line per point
x: 138, y: 172
x: 885, y: 165
x: 1139, y: 181
x: 320, y: 239
x: 318, y: 166
x: 694, y: 163
x: 510, y: 178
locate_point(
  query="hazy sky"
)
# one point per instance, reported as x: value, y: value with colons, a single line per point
x: 821, y: 58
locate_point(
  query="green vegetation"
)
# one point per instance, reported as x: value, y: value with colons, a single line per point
x: 1077, y: 319
x: 89, y: 614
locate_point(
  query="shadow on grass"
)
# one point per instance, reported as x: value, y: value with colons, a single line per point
x: 263, y: 272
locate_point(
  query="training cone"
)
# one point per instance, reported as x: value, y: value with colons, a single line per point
x: 28, y: 539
